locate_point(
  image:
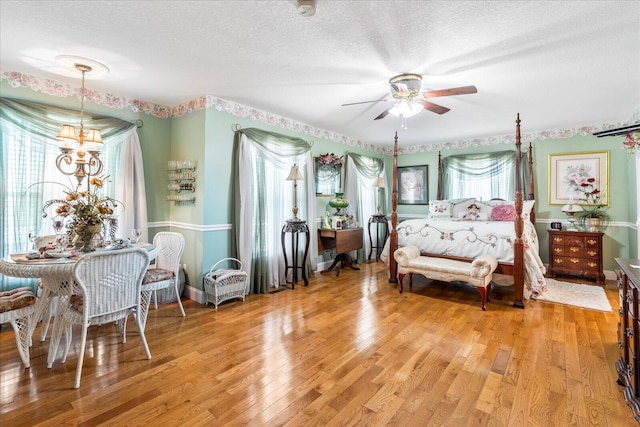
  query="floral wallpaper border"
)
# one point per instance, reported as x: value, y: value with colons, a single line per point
x: 51, y: 87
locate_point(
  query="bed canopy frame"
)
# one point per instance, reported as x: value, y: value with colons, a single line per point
x: 517, y: 268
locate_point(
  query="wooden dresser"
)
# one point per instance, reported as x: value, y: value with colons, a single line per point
x: 576, y: 253
x: 628, y: 332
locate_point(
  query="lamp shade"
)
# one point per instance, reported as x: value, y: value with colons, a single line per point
x: 67, y: 134
x: 571, y: 208
x: 294, y: 174
x: 93, y: 135
x: 378, y: 183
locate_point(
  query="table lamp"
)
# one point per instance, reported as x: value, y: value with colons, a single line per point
x: 571, y: 210
x: 378, y: 184
x: 295, y: 176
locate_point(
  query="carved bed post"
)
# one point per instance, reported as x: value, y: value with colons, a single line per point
x: 518, y: 245
x: 439, y: 195
x: 393, y: 237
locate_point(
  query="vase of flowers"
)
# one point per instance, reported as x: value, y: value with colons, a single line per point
x: 594, y: 216
x: 87, y: 212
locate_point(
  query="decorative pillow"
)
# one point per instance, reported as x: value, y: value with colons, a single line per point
x: 503, y: 213
x: 479, y: 216
x: 485, y: 207
x: 460, y: 205
x: 439, y: 209
x: 527, y: 207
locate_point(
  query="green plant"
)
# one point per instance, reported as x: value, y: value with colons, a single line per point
x: 591, y: 205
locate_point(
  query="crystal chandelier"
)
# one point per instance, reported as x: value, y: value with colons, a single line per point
x: 80, y: 165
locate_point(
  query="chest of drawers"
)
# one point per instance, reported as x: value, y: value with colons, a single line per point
x: 576, y: 253
x: 628, y: 332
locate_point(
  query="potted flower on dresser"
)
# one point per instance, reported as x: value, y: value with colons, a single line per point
x: 594, y: 216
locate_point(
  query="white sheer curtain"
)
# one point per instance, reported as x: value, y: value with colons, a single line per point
x: 130, y: 187
x: 266, y: 202
x: 361, y: 173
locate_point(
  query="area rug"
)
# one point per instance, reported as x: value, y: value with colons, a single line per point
x: 575, y: 294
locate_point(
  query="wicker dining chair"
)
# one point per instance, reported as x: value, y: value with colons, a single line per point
x: 41, y: 241
x: 164, y: 274
x: 16, y: 307
x: 107, y: 290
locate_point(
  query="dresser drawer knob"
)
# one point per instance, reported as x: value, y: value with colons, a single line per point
x: 592, y: 253
x: 575, y: 260
x: 557, y: 250
x: 557, y: 239
x: 592, y: 264
x: 628, y: 332
x: 592, y: 242
x: 574, y: 249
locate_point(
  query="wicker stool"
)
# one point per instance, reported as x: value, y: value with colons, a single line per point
x: 16, y: 307
x: 225, y: 284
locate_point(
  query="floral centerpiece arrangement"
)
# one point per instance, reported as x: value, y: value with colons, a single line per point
x: 594, y: 213
x: 88, y: 213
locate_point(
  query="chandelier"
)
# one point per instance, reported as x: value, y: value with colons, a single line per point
x: 86, y: 161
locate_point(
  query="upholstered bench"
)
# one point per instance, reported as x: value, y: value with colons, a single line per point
x: 479, y: 272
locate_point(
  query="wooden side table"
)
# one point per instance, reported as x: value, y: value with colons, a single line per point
x: 343, y: 241
x: 378, y: 220
x: 295, y: 228
x: 576, y: 253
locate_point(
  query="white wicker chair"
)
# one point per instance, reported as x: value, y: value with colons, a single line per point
x: 19, y: 317
x: 225, y: 284
x: 46, y: 240
x: 109, y: 285
x: 165, y: 273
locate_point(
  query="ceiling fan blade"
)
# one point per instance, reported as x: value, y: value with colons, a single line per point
x: 463, y: 90
x: 383, y: 114
x: 438, y: 109
x: 364, y: 102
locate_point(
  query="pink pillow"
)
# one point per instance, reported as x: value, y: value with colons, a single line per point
x: 503, y: 213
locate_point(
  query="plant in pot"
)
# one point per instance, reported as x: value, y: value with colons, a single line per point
x: 594, y: 216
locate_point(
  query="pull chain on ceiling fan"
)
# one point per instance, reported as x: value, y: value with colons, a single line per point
x: 406, y: 89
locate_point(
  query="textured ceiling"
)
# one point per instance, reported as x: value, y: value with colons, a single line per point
x: 560, y: 64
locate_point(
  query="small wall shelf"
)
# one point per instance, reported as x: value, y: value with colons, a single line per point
x: 182, y: 180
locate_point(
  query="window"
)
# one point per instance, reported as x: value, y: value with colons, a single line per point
x: 483, y: 176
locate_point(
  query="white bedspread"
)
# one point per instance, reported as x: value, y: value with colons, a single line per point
x: 470, y: 239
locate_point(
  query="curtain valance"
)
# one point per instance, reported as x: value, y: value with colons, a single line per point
x: 45, y: 120
x: 369, y: 167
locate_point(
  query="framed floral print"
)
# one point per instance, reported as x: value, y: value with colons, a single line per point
x: 579, y: 178
x: 413, y: 185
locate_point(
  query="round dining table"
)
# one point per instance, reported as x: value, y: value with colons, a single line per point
x: 56, y: 279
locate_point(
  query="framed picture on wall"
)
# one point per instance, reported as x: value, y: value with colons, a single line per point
x: 327, y: 175
x: 413, y: 185
x: 579, y: 178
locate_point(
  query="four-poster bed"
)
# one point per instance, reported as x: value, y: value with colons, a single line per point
x: 516, y: 261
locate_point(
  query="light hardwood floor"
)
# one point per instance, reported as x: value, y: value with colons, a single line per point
x: 342, y: 351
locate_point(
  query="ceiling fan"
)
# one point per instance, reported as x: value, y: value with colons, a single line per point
x: 406, y: 89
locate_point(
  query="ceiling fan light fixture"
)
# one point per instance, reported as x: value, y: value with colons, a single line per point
x: 405, y: 86
x: 406, y: 108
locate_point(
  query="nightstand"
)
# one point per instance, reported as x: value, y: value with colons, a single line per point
x: 576, y: 253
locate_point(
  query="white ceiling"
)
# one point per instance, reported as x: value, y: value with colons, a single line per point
x: 560, y: 64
